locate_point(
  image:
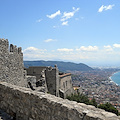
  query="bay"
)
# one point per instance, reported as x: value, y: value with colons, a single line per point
x: 116, y: 78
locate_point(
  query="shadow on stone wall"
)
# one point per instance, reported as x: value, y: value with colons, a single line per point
x: 25, y: 104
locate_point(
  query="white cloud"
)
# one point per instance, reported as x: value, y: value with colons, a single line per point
x: 116, y: 45
x: 39, y: 20
x: 33, y: 53
x: 30, y: 49
x: 54, y: 14
x: 49, y: 40
x: 75, y: 10
x: 101, y: 8
x: 105, y: 54
x: 33, y: 49
x: 65, y: 50
x: 64, y: 16
x: 109, y: 7
x: 68, y: 15
x: 108, y: 48
x: 89, y: 48
x: 65, y: 23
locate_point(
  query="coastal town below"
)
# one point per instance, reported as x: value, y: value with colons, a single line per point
x: 98, y: 84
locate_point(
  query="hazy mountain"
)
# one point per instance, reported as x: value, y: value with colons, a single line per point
x: 63, y: 66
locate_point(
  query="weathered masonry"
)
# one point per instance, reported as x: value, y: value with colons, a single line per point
x: 28, y: 104
x: 58, y: 84
x: 65, y: 85
x: 25, y: 104
x: 11, y: 64
x: 12, y: 71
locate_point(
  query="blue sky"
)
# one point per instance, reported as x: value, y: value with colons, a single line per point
x: 81, y: 31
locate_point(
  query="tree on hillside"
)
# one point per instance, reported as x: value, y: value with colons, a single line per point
x: 108, y: 107
x: 93, y: 102
x: 81, y: 98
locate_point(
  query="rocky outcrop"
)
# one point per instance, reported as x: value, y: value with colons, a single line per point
x: 25, y: 104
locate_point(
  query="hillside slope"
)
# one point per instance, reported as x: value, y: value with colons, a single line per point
x: 63, y: 66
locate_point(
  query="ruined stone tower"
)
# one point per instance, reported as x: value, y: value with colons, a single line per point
x: 11, y: 64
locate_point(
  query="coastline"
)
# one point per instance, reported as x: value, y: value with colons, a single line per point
x: 112, y: 81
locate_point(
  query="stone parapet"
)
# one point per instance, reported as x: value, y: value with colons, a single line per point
x: 25, y: 104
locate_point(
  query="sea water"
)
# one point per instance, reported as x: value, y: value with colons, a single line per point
x: 116, y: 78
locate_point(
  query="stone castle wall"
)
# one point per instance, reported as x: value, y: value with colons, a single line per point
x: 25, y: 104
x: 35, y: 71
x: 52, y: 80
x: 11, y: 64
x: 66, y: 84
x: 58, y: 84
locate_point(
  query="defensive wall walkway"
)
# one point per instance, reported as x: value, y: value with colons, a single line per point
x: 25, y: 104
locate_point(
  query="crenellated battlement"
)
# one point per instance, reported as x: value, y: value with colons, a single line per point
x: 3, y: 41
x: 13, y: 48
x: 11, y: 63
x: 4, y: 46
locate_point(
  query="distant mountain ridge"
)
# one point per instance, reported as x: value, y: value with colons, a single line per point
x: 63, y: 66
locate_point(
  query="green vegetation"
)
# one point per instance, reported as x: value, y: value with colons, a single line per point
x: 109, y: 107
x: 81, y: 98
x: 93, y: 102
